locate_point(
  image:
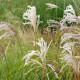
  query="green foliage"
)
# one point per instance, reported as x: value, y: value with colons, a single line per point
x: 12, y: 11
x: 18, y: 7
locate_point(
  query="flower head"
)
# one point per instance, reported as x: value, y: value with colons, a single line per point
x: 72, y: 61
x: 69, y: 16
x: 51, y: 5
x: 31, y: 17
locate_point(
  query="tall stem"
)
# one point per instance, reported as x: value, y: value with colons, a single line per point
x: 19, y: 45
x: 35, y: 49
x: 44, y: 69
x: 7, y: 68
x: 76, y: 7
x: 75, y: 76
x: 64, y: 4
x: 56, y: 8
x: 10, y: 6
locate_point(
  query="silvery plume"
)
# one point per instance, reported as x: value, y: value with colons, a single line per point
x: 31, y: 17
x: 67, y: 36
x: 70, y: 39
x: 73, y: 61
x: 51, y: 5
x: 40, y: 57
x: 69, y: 17
x: 53, y: 23
x: 2, y: 51
x: 69, y: 46
x: 7, y: 32
x: 70, y: 42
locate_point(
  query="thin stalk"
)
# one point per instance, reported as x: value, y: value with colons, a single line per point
x: 35, y: 56
x: 20, y: 45
x: 56, y: 8
x: 7, y: 47
x: 75, y: 76
x: 15, y: 3
x: 76, y: 7
x: 7, y: 68
x: 44, y: 69
x: 64, y: 4
x: 15, y: 43
x: 10, y: 5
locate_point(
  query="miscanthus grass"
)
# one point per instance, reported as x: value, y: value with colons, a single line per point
x: 8, y: 32
x: 71, y: 44
x: 31, y: 18
x: 51, y: 6
x: 70, y: 40
x: 69, y: 18
x: 40, y: 59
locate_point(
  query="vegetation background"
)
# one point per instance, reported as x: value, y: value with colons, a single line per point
x: 18, y: 7
x: 12, y: 11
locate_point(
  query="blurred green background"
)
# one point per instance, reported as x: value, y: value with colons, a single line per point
x: 18, y: 7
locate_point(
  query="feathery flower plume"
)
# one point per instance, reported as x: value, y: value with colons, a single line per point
x: 53, y: 23
x: 8, y: 32
x: 8, y: 28
x: 2, y: 51
x: 72, y: 61
x: 28, y: 56
x: 31, y: 18
x: 68, y: 36
x: 51, y: 5
x: 69, y: 47
x: 69, y: 17
x: 41, y: 57
x: 41, y: 54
